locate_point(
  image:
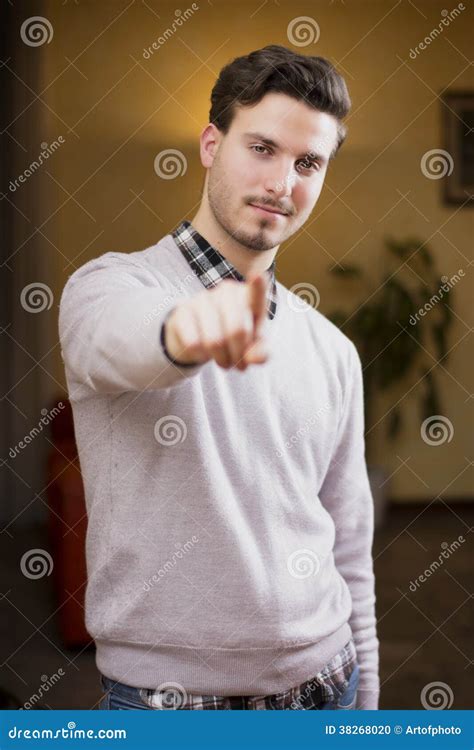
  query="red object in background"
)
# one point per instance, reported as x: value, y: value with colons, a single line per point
x: 67, y: 527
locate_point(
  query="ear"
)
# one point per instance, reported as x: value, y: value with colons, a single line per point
x: 209, y: 144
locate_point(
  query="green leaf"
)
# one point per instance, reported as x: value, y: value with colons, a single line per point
x: 394, y: 423
x: 445, y: 305
x: 430, y: 403
x: 400, y: 302
x: 338, y: 317
x: 346, y: 271
x: 412, y: 250
x: 426, y: 256
x: 439, y: 336
x: 397, y: 248
x: 388, y: 330
x: 424, y: 293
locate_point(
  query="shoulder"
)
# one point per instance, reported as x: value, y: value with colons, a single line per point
x: 146, y: 267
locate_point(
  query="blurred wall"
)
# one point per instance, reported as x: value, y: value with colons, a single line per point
x: 116, y: 109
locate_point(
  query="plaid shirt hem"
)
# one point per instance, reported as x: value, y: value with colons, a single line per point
x: 328, y: 685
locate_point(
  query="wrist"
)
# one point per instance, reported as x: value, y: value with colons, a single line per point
x: 168, y: 355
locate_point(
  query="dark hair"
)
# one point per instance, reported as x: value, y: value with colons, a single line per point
x: 246, y: 80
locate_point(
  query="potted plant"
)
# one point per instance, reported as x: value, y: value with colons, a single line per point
x: 404, y: 316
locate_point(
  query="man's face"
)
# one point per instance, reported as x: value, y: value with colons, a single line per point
x: 275, y: 155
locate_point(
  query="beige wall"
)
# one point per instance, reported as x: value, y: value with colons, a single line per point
x: 124, y: 111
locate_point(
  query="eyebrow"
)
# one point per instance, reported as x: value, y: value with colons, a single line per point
x: 310, y: 155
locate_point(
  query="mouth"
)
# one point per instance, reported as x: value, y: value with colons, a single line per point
x: 267, y: 210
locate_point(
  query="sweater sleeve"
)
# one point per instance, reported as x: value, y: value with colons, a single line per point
x: 110, y: 323
x: 347, y: 496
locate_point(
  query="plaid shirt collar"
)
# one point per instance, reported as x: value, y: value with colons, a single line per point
x: 210, y: 266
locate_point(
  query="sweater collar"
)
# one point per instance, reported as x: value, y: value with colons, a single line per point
x: 209, y: 264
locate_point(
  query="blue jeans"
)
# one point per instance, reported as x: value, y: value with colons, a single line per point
x: 124, y: 697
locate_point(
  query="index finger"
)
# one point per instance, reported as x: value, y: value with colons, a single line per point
x: 257, y: 289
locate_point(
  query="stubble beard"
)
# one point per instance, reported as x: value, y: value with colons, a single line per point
x: 219, y: 197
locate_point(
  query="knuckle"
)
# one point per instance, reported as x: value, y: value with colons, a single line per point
x: 189, y: 343
x: 239, y: 333
x: 206, y: 347
x: 216, y: 342
x: 213, y: 346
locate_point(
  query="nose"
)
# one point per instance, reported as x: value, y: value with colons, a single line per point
x: 280, y: 184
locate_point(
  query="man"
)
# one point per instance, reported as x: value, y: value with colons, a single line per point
x: 230, y: 515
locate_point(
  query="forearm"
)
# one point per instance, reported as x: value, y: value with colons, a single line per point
x: 110, y: 331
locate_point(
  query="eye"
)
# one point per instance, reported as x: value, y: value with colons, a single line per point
x: 259, y: 145
x: 309, y: 165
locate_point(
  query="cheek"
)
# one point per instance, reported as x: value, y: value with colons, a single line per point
x: 313, y: 191
x: 230, y: 183
x: 305, y: 193
x: 251, y: 175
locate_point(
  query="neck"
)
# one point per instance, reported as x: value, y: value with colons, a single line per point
x: 244, y: 259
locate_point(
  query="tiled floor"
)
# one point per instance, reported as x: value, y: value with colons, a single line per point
x: 425, y: 633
